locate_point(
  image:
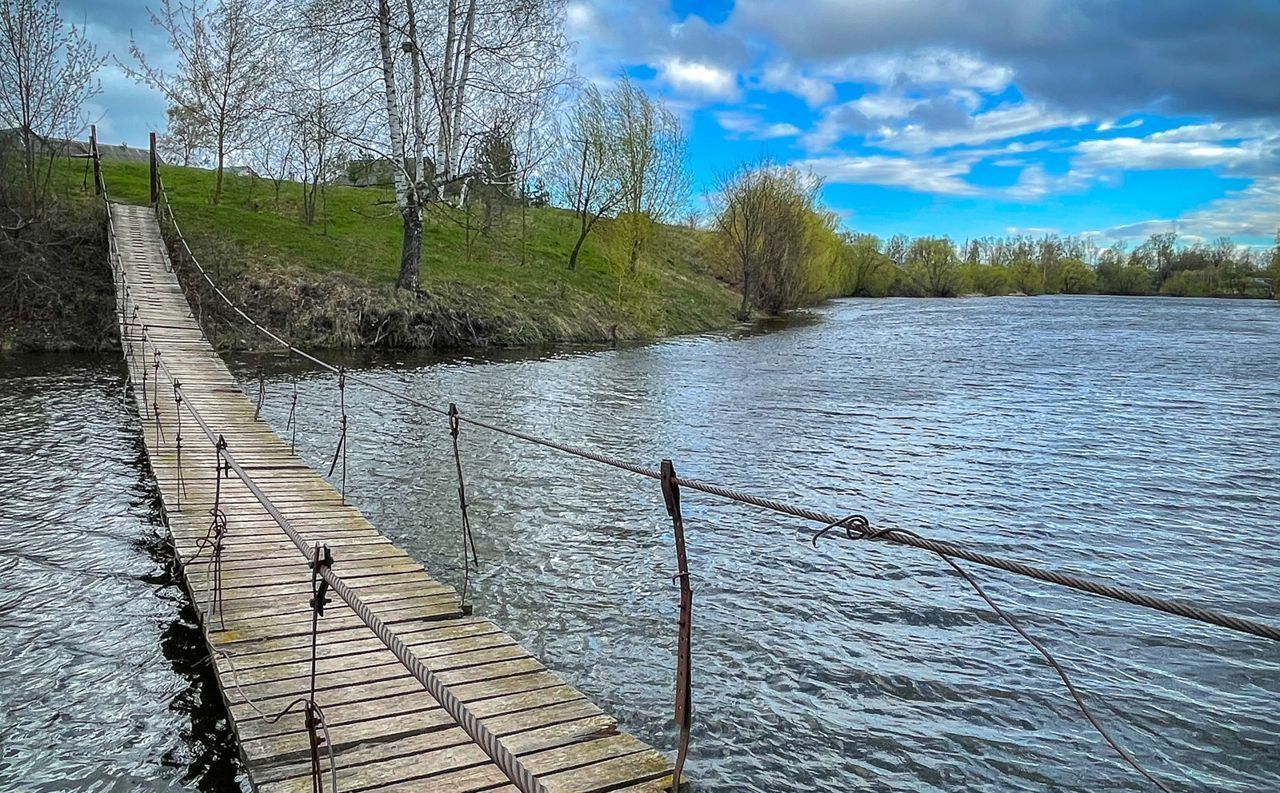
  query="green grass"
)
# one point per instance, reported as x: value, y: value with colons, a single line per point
x: 332, y: 282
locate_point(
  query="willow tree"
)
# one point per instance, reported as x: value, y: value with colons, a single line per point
x: 649, y: 155
x: 768, y: 218
x: 933, y: 262
x: 586, y: 172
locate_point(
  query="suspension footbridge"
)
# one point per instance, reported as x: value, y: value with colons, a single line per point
x: 389, y: 684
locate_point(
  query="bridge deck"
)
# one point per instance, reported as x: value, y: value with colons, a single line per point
x: 388, y: 733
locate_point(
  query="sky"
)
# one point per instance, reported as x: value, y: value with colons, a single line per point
x: 1109, y: 118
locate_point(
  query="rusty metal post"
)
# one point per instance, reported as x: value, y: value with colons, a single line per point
x: 93, y: 155
x: 155, y: 173
x: 684, y: 691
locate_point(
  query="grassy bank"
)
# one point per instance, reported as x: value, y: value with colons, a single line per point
x: 330, y: 284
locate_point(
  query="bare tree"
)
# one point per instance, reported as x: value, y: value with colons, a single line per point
x: 274, y: 153
x: 225, y: 61
x: 186, y: 138
x: 535, y: 141
x: 47, y: 74
x: 324, y: 92
x: 586, y: 170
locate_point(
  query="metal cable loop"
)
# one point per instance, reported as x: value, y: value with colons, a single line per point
x: 857, y: 528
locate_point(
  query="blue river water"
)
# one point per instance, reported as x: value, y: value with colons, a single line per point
x: 1133, y: 440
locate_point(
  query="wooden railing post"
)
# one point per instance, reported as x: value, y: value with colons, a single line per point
x: 93, y: 155
x: 155, y: 173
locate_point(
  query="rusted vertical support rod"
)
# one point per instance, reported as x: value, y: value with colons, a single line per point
x: 468, y: 541
x: 684, y: 691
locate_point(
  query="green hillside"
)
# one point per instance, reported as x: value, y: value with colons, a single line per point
x: 330, y: 284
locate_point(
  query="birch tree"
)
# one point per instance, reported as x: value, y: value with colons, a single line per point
x: 445, y: 85
x: 225, y: 62
x: 47, y: 75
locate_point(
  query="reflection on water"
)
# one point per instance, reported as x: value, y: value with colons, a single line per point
x: 1134, y: 440
x: 103, y: 681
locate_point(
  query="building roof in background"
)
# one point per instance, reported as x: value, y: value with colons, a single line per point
x: 80, y: 148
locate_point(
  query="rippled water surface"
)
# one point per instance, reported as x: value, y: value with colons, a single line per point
x: 1129, y: 439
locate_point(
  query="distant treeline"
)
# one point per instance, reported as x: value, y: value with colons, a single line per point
x: 784, y: 249
x: 937, y: 267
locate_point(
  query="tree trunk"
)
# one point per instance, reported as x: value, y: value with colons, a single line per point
x: 577, y: 247
x: 411, y: 251
x: 524, y: 230
x: 745, y: 311
x: 217, y: 178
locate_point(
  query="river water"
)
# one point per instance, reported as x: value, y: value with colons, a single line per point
x: 1135, y: 440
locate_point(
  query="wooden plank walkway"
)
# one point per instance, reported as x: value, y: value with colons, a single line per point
x: 388, y: 733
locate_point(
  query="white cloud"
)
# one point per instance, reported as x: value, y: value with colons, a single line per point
x: 1251, y: 212
x: 751, y: 126
x: 931, y: 175
x: 1106, y: 126
x: 925, y: 67
x: 883, y: 105
x: 1001, y: 123
x: 1149, y: 154
x: 785, y: 77
x: 702, y: 79
x: 939, y: 174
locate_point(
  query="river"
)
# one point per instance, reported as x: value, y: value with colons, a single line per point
x: 1135, y: 440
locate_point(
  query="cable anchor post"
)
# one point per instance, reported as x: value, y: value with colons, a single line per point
x: 469, y: 555
x: 155, y: 385
x: 684, y: 639
x: 291, y: 424
x: 144, y: 370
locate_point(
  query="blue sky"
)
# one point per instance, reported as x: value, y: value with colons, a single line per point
x: 1110, y: 118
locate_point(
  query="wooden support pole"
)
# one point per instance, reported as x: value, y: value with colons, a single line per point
x: 97, y: 162
x: 155, y: 173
